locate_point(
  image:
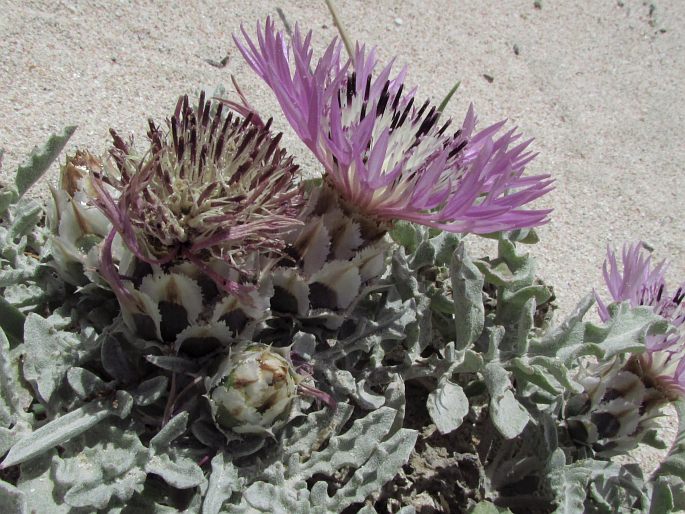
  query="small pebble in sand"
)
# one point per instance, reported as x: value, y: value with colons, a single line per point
x: 398, y: 21
x: 517, y: 50
x: 537, y: 4
x: 488, y: 77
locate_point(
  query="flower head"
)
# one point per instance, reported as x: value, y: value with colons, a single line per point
x: 254, y: 388
x: 389, y: 156
x: 213, y: 185
x: 78, y: 228
x: 639, y: 282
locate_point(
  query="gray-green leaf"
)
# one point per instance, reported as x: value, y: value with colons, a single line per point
x: 507, y: 414
x: 447, y: 406
x: 223, y: 481
x: 66, y: 427
x: 180, y: 472
x: 49, y: 353
x: 40, y: 160
x: 12, y: 500
x: 112, y: 467
x: 10, y: 399
x: 173, y: 429
x: 85, y: 383
x: 467, y: 287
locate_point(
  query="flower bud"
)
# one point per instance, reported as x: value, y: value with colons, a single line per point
x: 615, y: 411
x: 253, y: 389
x: 78, y: 227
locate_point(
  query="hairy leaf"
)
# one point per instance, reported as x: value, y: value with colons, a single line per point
x: 573, y: 483
x: 407, y: 235
x: 149, y: 391
x: 38, y: 485
x: 11, y: 404
x: 625, y: 332
x: 383, y: 464
x: 49, y: 353
x: 508, y: 415
x: 26, y: 215
x: 350, y: 448
x: 40, y: 159
x: 172, y: 430
x: 112, y: 467
x: 86, y: 383
x: 178, y: 471
x: 223, y: 481
x: 68, y: 426
x: 12, y: 499
x: 467, y: 287
x: 447, y: 406
x: 509, y: 269
x: 486, y: 507
x: 672, y: 468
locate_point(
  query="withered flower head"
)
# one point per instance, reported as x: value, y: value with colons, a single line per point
x: 213, y: 186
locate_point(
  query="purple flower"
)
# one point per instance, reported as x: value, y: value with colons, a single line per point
x: 640, y: 283
x: 211, y: 187
x: 385, y: 154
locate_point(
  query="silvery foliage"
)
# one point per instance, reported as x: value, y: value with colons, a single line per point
x: 443, y: 345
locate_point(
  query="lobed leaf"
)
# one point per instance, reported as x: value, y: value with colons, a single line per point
x: 39, y: 487
x: 25, y: 217
x: 350, y: 448
x: 67, y: 427
x: 668, y: 479
x: 12, y: 499
x: 223, y: 481
x: 406, y: 235
x: 48, y: 354
x: 11, y: 403
x: 467, y: 294
x: 109, y: 467
x: 177, y: 471
x: 383, y: 464
x: 40, y: 160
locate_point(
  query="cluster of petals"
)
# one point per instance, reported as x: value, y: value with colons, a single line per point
x: 637, y: 281
x: 388, y: 156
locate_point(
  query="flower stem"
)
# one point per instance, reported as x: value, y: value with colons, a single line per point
x: 284, y: 20
x: 171, y: 401
x: 183, y: 392
x: 448, y: 97
x: 343, y: 34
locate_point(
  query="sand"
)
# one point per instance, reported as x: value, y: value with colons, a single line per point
x: 599, y: 85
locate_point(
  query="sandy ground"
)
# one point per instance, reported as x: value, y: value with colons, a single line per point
x: 599, y: 85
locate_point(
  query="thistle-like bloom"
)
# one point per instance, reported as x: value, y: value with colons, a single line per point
x: 213, y: 186
x: 387, y: 156
x: 638, y: 282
